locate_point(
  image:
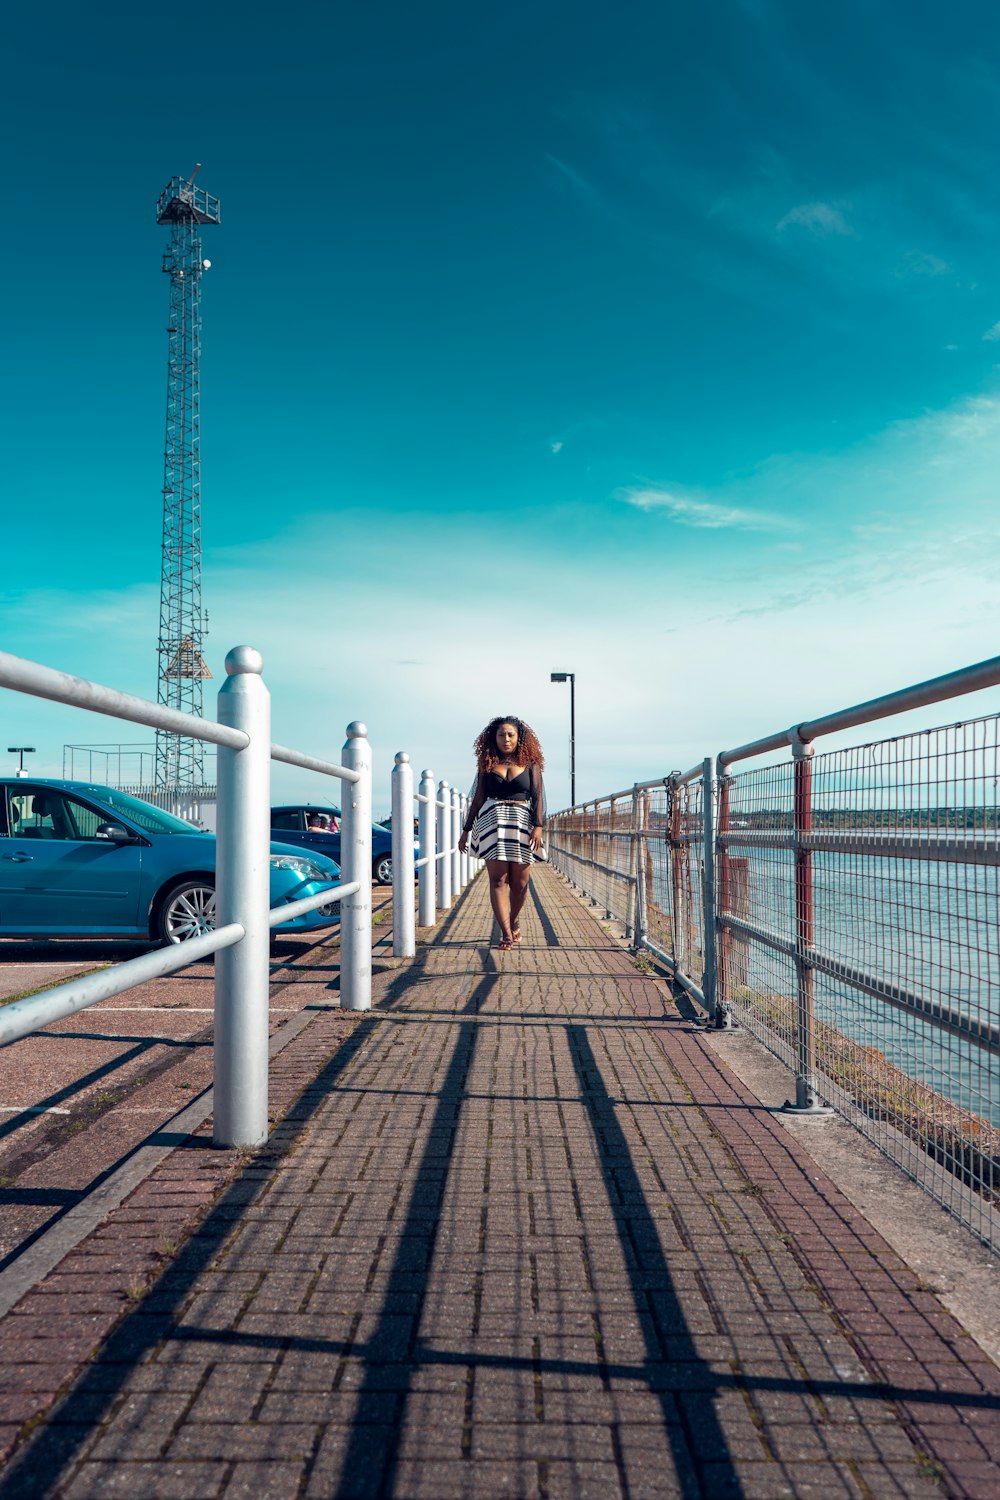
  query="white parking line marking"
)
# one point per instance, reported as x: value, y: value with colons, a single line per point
x: 29, y: 1109
x: 47, y: 963
x: 175, y: 1010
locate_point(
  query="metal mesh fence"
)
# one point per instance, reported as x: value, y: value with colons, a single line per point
x: 856, y: 910
x: 896, y: 846
x: 593, y: 846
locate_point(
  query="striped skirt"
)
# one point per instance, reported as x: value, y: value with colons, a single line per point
x: 502, y: 831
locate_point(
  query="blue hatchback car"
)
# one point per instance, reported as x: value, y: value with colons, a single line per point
x: 318, y: 828
x: 78, y: 860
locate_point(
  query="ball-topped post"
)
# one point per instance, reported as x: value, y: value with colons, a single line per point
x: 243, y: 895
x: 244, y: 659
x: 404, y: 942
x: 356, y: 866
x: 444, y: 843
x: 428, y: 850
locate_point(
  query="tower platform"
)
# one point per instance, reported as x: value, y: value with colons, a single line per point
x: 517, y: 1232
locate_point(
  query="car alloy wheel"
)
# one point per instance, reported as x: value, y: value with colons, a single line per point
x: 187, y: 910
x: 382, y: 870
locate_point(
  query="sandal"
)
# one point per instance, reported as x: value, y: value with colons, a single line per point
x: 515, y: 936
x: 505, y: 944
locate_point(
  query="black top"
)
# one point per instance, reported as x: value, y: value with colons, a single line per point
x: 524, y: 788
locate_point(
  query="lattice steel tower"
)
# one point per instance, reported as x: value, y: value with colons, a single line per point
x: 179, y: 762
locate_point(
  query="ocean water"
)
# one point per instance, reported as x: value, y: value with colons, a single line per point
x: 931, y: 928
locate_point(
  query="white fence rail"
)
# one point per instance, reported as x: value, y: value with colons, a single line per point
x: 243, y: 911
x: 444, y: 870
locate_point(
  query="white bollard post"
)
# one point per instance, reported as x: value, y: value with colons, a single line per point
x: 404, y: 942
x: 456, y: 829
x: 463, y: 808
x: 356, y: 864
x: 243, y: 846
x: 428, y: 849
x: 444, y: 847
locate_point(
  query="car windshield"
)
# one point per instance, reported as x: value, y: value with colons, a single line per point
x: 149, y: 818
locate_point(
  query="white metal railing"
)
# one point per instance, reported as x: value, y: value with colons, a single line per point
x: 243, y: 909
x: 444, y: 869
x: 842, y: 906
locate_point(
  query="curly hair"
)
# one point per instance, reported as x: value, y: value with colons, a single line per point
x: 528, y: 752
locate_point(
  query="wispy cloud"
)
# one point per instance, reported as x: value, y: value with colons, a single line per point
x: 922, y: 263
x: 706, y: 515
x: 992, y: 335
x: 557, y: 447
x: 577, y: 181
x: 817, y: 218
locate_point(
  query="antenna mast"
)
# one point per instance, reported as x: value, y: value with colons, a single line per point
x: 183, y: 623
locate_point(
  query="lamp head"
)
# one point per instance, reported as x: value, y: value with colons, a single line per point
x: 558, y: 676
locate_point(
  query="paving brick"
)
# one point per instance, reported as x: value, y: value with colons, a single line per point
x: 151, y: 1481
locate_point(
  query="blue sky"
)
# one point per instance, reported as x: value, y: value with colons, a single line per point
x: 655, y: 342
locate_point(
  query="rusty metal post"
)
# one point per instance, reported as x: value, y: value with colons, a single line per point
x: 633, y: 870
x: 806, y: 1097
x: 637, y: 925
x: 593, y: 854
x: 611, y: 856
x: 723, y: 1010
x: 709, y: 982
x: 676, y: 877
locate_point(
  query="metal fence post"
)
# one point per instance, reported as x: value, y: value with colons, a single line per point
x: 444, y: 847
x: 610, y: 859
x: 723, y: 1009
x: 593, y: 854
x: 642, y: 859
x: 456, y: 829
x: 632, y: 898
x: 404, y: 944
x: 678, y: 943
x: 806, y: 1098
x: 709, y: 983
x: 243, y: 844
x: 356, y: 864
x: 428, y: 850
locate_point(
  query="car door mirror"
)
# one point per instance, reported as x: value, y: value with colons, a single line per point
x: 113, y: 833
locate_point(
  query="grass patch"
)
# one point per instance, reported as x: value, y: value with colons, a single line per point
x: 39, y: 989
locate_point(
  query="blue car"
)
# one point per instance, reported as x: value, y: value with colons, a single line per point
x: 78, y: 860
x: 318, y: 828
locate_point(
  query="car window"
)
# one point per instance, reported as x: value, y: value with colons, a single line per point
x: 149, y: 818
x: 287, y: 819
x: 38, y: 814
x: 83, y: 820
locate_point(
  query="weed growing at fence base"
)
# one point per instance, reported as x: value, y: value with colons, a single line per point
x: 956, y: 1138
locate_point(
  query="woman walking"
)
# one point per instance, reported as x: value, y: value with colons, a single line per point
x: 506, y: 817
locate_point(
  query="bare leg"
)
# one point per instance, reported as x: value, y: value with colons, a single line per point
x: 498, y: 872
x: 520, y: 876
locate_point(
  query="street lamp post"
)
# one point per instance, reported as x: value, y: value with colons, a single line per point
x: 22, y: 751
x: 570, y: 677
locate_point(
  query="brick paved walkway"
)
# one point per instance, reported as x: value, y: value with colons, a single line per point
x: 525, y: 1236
